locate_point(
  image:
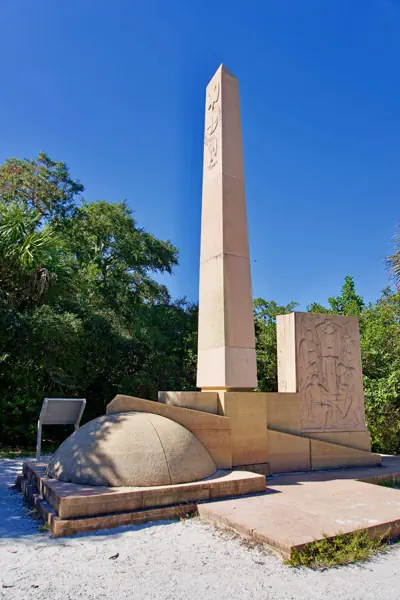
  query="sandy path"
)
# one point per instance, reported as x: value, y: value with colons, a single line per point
x: 168, y: 560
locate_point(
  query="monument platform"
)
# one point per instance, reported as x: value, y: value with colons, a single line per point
x: 300, y: 508
x: 69, y: 508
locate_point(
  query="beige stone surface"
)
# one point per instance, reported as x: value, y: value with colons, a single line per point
x: 360, y: 440
x: 301, y: 508
x: 286, y: 353
x: 327, y: 372
x: 214, y: 431
x: 248, y: 416
x: 325, y: 455
x: 202, y: 401
x: 62, y: 527
x: 261, y: 468
x: 288, y: 453
x: 226, y: 344
x: 88, y: 508
x: 131, y: 449
x: 283, y: 412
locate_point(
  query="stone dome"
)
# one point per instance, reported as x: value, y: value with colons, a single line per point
x: 131, y: 449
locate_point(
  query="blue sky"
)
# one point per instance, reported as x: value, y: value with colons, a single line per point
x: 116, y: 90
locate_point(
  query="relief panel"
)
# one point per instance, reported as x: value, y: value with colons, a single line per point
x: 329, y: 375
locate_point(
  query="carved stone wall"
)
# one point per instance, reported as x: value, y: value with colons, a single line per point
x: 327, y: 371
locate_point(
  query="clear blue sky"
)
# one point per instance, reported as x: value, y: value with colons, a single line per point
x: 116, y: 90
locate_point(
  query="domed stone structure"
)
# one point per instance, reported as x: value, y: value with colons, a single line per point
x: 131, y: 449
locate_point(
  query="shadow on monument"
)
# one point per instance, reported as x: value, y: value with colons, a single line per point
x: 89, y: 461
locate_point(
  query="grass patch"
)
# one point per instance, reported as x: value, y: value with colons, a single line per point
x: 189, y: 515
x: 344, y: 549
x: 389, y: 483
x: 26, y: 451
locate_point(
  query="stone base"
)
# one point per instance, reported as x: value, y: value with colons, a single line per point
x: 359, y: 440
x: 299, y: 509
x: 255, y: 428
x: 69, y: 508
x: 247, y: 412
x: 260, y: 468
x: 202, y: 401
x: 290, y: 453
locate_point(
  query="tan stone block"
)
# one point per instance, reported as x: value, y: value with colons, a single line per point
x: 319, y: 357
x: 226, y: 341
x: 286, y: 353
x: 211, y: 301
x: 96, y: 507
x: 287, y: 452
x: 92, y: 506
x: 260, y: 468
x: 238, y: 483
x: 232, y: 367
x: 332, y: 456
x: 62, y: 527
x: 214, y: 431
x: 238, y: 305
x: 248, y: 414
x: 360, y: 440
x: 283, y: 412
x: 202, y: 401
x: 176, y: 496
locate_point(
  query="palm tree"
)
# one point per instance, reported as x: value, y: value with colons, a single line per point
x: 32, y: 259
x: 393, y: 261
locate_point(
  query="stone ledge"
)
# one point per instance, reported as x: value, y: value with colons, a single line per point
x: 61, y: 527
x: 300, y: 508
x: 72, y: 502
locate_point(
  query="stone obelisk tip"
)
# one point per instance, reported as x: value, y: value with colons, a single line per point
x: 224, y: 69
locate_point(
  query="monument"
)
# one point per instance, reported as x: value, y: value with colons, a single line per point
x: 226, y: 340
x: 148, y: 460
x: 319, y: 357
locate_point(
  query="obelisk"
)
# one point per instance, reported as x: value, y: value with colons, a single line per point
x: 226, y: 340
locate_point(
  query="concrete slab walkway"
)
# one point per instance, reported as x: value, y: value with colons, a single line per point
x: 302, y: 507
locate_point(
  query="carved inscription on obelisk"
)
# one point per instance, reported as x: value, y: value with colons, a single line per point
x: 212, y: 128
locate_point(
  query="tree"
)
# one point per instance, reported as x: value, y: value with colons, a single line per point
x: 347, y: 303
x: 114, y: 258
x: 265, y: 313
x: 393, y: 261
x: 81, y: 310
x: 380, y: 349
x: 33, y: 262
x: 41, y: 184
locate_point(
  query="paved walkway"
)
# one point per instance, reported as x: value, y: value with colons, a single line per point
x: 167, y: 561
x: 301, y: 507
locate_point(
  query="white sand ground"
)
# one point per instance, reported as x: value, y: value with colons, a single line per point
x: 168, y: 560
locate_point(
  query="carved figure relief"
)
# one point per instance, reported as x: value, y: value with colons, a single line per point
x: 329, y: 374
x: 213, y: 118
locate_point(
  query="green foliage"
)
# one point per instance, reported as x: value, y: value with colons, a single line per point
x: 344, y: 549
x: 389, y: 483
x: 81, y: 311
x: 393, y: 261
x: 33, y: 260
x: 380, y: 349
x: 347, y: 303
x: 265, y: 327
x: 83, y: 314
x: 39, y: 185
